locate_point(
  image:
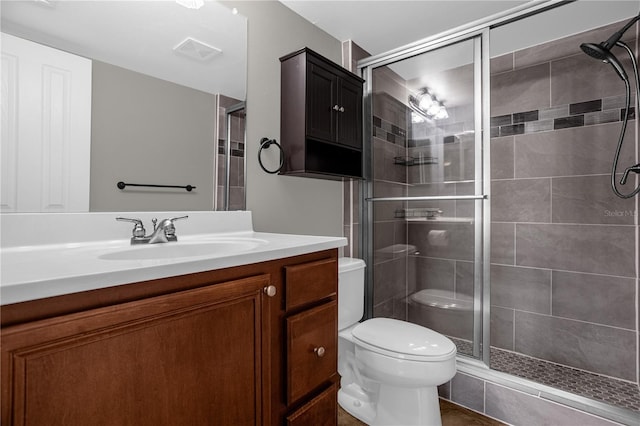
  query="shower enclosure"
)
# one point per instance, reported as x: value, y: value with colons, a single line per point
x: 487, y: 212
x: 231, y: 161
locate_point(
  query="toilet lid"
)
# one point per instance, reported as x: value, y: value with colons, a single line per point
x: 404, y: 339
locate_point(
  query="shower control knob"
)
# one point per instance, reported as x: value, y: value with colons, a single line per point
x: 270, y: 290
x: 336, y: 108
x: 341, y: 109
x: 319, y: 351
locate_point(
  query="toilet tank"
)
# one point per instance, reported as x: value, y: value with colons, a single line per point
x: 350, y: 291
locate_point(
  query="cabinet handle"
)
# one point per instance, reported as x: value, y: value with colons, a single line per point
x: 341, y: 109
x: 336, y: 108
x: 319, y: 351
x: 270, y: 290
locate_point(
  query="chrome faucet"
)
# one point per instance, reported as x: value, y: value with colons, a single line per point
x: 163, y: 232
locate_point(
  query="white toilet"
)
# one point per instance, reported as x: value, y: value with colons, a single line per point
x: 390, y: 369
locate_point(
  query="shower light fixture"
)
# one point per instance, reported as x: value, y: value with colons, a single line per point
x: 425, y: 104
x: 416, y: 118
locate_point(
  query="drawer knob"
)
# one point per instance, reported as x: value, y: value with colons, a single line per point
x: 319, y: 351
x: 270, y: 290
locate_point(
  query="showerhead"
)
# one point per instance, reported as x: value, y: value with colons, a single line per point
x: 596, y: 51
x: 602, y: 53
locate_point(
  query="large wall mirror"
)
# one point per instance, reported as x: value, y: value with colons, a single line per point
x: 163, y: 86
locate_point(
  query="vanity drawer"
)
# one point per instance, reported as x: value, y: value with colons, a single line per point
x: 309, y: 282
x: 321, y: 410
x: 312, y: 344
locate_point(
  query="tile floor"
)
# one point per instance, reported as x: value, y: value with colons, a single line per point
x: 452, y: 415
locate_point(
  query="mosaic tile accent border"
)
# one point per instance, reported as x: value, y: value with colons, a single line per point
x: 579, y: 114
x: 588, y: 113
x: 388, y: 131
x: 618, y: 393
x: 237, y: 148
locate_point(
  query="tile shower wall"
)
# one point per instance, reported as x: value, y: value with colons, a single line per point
x: 237, y: 162
x: 411, y: 253
x: 390, y: 234
x: 563, y: 273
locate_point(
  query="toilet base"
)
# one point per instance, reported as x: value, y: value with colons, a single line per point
x: 352, y: 402
x: 395, y: 406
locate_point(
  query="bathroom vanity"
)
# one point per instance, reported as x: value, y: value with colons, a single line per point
x: 228, y: 338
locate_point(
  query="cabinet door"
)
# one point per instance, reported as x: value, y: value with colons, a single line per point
x: 321, y: 101
x: 349, y: 125
x: 191, y: 358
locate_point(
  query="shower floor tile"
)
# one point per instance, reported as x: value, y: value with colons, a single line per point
x: 618, y: 393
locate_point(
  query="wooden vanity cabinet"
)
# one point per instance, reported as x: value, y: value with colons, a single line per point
x: 321, y: 117
x: 199, y: 349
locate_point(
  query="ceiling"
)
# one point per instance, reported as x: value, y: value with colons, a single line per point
x: 384, y: 25
x: 379, y: 26
x: 142, y: 36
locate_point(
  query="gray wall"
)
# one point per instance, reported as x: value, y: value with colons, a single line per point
x: 282, y: 203
x: 139, y: 137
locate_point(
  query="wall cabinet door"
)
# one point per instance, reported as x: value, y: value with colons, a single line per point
x: 321, y: 96
x: 349, y: 125
x: 194, y: 355
x: 334, y: 107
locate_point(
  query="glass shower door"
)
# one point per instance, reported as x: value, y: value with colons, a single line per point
x: 425, y: 194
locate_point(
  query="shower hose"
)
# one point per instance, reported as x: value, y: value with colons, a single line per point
x: 636, y: 168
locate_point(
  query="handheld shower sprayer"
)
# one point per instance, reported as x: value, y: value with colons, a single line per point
x: 602, y: 52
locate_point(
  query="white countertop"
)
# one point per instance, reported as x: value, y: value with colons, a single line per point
x: 32, y: 271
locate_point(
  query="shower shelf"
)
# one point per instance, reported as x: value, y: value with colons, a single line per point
x: 414, y: 161
x: 428, y: 220
x: 428, y: 212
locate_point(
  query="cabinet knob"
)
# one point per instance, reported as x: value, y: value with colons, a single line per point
x: 319, y: 351
x: 270, y: 290
x: 341, y: 109
x: 336, y: 108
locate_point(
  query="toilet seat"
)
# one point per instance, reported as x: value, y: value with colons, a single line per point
x: 403, y: 340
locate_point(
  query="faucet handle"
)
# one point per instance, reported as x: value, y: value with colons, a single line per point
x: 138, y: 227
x: 170, y: 230
x: 177, y: 218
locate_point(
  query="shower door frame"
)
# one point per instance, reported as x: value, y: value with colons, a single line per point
x: 480, y: 31
x: 482, y: 181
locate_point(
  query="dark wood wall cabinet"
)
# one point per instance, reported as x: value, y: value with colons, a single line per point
x: 249, y: 345
x: 320, y: 117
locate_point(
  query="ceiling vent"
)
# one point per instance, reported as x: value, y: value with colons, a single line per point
x: 197, y: 50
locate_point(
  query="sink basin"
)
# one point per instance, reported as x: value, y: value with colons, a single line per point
x: 180, y: 249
